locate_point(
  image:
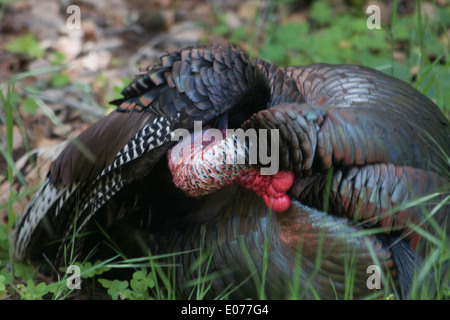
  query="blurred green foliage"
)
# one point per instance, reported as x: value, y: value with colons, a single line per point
x: 412, y: 48
x: 26, y: 45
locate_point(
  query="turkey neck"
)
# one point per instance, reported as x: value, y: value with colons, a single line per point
x: 168, y: 204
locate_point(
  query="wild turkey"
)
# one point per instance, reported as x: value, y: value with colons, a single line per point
x: 354, y: 144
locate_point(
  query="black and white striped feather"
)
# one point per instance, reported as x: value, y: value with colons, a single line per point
x: 87, y: 196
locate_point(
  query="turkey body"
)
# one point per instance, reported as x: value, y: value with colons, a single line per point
x: 361, y: 146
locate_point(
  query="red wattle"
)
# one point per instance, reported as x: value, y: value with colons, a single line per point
x: 282, y: 181
x: 278, y: 205
x: 271, y: 188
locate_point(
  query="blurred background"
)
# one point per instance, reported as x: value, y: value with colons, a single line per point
x: 62, y: 61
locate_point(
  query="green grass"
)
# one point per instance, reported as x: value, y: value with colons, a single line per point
x: 333, y: 39
x: 345, y: 38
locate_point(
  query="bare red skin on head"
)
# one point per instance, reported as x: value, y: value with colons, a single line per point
x: 271, y: 188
